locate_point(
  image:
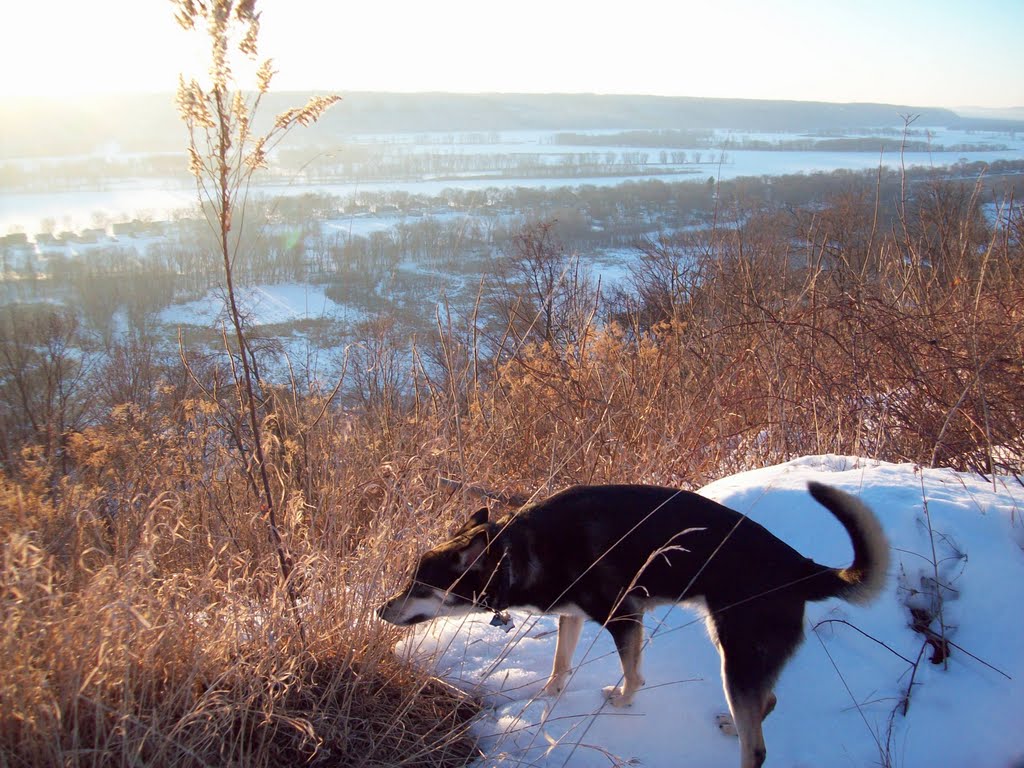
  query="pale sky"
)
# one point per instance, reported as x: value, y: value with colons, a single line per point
x: 914, y: 52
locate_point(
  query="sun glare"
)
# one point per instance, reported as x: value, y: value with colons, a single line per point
x: 794, y: 49
x: 70, y: 49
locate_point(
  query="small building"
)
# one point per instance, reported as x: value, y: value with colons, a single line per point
x: 14, y: 240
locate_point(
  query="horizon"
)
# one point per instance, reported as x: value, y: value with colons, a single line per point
x: 280, y: 92
x: 915, y: 54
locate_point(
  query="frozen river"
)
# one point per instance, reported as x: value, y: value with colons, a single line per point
x: 159, y: 199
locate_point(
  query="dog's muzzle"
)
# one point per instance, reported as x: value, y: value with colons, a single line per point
x: 390, y: 612
x: 405, y: 610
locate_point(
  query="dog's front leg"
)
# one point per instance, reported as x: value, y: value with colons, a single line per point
x: 569, y: 628
x: 628, y: 633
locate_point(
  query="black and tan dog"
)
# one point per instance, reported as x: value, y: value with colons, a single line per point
x: 609, y: 553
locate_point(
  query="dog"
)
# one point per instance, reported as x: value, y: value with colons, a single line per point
x: 609, y: 553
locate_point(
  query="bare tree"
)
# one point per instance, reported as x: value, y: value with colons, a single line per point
x: 547, y: 295
x: 44, y: 371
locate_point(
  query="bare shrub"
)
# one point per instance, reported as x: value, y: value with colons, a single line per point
x: 45, y: 363
x: 908, y: 348
x: 545, y: 293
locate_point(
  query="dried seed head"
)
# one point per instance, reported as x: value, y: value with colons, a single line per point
x: 264, y: 75
x: 248, y: 45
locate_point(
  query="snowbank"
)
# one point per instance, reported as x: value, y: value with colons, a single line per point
x: 841, y: 698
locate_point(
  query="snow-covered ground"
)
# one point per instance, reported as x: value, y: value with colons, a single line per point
x: 259, y: 305
x: 840, y: 697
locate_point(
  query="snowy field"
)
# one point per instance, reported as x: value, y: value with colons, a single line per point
x: 260, y: 305
x: 840, y: 698
x: 316, y: 352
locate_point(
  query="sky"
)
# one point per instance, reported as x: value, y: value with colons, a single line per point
x: 939, y: 53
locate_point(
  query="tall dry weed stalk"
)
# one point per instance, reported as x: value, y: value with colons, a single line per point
x: 224, y: 153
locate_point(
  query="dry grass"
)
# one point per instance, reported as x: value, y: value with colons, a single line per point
x: 144, y: 619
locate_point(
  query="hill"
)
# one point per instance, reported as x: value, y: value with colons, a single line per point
x: 40, y: 127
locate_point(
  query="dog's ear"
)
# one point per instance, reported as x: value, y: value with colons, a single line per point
x: 478, y: 518
x: 471, y: 555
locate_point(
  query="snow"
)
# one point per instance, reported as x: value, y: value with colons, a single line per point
x: 78, y: 209
x: 839, y: 697
x: 259, y: 305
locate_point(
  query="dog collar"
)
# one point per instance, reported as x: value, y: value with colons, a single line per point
x: 499, y: 605
x: 503, y: 619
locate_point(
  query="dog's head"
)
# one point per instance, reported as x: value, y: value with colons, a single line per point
x: 449, y: 580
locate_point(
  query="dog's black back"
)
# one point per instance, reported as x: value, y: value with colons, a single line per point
x: 659, y: 545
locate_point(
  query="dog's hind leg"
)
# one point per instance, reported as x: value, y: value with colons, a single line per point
x: 628, y: 633
x: 728, y: 727
x: 746, y: 707
x: 755, y: 645
x: 569, y: 628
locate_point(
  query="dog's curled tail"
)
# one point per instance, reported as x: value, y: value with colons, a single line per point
x: 864, y: 580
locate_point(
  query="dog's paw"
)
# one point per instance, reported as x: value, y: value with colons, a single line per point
x: 616, y: 697
x: 553, y: 687
x: 725, y: 724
